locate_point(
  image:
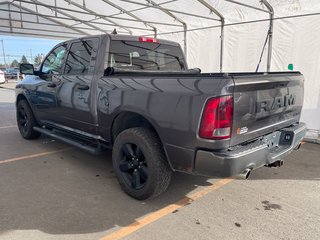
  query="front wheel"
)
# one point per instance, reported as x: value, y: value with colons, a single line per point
x: 26, y: 120
x: 140, y: 163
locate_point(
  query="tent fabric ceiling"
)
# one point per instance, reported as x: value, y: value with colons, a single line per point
x: 84, y: 17
x: 296, y: 31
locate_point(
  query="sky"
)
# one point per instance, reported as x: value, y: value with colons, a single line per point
x: 15, y: 47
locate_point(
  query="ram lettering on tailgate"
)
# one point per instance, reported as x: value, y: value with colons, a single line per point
x: 275, y: 103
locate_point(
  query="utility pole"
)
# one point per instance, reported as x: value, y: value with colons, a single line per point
x: 8, y: 57
x: 4, y: 55
x: 31, y: 60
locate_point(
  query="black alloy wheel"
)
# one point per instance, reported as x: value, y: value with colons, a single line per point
x: 133, y: 166
x: 26, y: 120
x: 22, y: 119
x: 140, y: 163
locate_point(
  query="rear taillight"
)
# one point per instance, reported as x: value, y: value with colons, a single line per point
x: 216, y: 121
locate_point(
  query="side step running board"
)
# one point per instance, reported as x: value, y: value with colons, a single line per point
x: 78, y: 144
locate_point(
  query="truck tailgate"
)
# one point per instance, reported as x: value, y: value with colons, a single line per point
x: 264, y: 103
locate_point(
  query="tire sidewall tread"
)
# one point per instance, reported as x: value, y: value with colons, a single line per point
x: 30, y: 133
x: 159, y: 171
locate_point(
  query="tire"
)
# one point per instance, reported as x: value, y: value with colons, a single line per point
x: 26, y: 121
x: 140, y: 163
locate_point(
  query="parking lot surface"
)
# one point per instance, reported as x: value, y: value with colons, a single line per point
x: 50, y: 190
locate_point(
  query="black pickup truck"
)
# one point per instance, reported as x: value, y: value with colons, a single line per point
x: 137, y: 96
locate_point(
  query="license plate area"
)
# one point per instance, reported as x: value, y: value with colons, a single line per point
x: 272, y: 140
x: 278, y: 139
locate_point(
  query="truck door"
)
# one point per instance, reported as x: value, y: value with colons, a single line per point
x: 75, y: 107
x: 43, y: 94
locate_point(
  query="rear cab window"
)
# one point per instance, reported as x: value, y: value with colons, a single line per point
x: 135, y: 55
x: 81, y: 57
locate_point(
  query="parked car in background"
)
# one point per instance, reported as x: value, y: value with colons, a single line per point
x: 12, y: 73
x: 2, y: 78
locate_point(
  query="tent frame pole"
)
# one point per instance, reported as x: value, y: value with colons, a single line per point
x: 93, y: 12
x: 68, y: 15
x: 52, y: 18
x: 185, y: 26
x: 97, y: 15
x: 170, y: 10
x: 270, y: 11
x: 45, y: 17
x: 132, y: 15
x: 248, y: 6
x: 270, y: 33
x: 212, y: 9
x: 142, y: 8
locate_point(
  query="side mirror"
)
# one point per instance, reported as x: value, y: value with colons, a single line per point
x: 27, y: 69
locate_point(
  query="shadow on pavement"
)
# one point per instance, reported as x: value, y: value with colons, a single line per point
x: 74, y: 192
x: 303, y: 164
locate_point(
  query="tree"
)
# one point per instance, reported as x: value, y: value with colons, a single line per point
x: 24, y: 59
x: 38, y: 59
x: 14, y: 63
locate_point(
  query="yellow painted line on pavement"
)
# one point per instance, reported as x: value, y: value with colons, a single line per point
x: 152, y: 217
x: 10, y: 126
x: 34, y: 155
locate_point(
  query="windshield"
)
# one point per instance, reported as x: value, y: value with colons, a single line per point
x: 145, y: 56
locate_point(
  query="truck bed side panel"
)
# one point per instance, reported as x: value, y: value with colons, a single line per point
x: 173, y: 105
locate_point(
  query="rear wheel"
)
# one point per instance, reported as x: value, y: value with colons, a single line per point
x: 26, y: 120
x: 140, y: 163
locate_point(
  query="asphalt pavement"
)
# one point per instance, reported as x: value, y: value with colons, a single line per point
x: 49, y: 190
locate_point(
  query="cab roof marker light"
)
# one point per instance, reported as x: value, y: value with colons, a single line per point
x: 148, y: 39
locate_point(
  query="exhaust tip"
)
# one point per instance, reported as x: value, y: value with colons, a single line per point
x: 280, y: 163
x: 245, y: 174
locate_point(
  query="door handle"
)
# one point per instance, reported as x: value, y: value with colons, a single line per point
x: 52, y: 85
x: 83, y: 87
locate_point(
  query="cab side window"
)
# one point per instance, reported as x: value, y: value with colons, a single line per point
x: 54, y: 61
x: 78, y: 60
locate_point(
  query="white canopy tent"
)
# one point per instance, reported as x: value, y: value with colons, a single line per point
x: 217, y: 35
